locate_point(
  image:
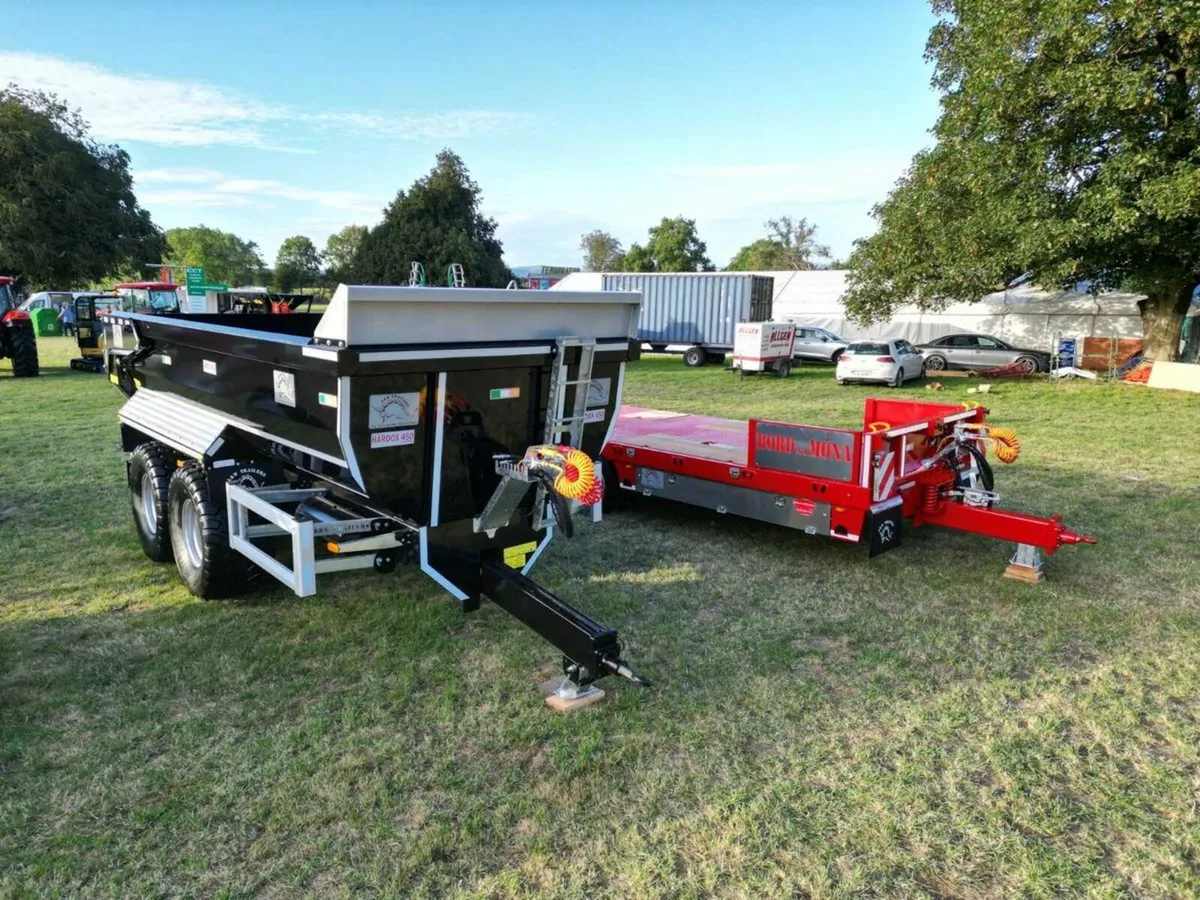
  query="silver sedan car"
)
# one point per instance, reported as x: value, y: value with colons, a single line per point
x: 818, y: 344
x: 980, y: 351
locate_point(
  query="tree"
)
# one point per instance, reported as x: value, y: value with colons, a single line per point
x: 764, y: 255
x: 798, y: 240
x: 298, y: 264
x: 68, y: 214
x: 673, y: 246
x: 1066, y: 152
x: 339, y: 253
x: 436, y: 222
x: 601, y: 252
x: 225, y: 257
x: 790, y: 244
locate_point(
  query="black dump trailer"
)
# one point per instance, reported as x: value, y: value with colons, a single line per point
x: 430, y: 426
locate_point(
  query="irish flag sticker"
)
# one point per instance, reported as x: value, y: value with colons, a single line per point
x: 510, y: 393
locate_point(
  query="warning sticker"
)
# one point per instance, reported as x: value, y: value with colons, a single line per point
x: 598, y: 391
x: 285, y: 388
x: 392, y: 410
x: 393, y: 438
x: 516, y: 557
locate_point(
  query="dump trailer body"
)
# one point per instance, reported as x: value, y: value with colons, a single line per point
x: 695, y: 309
x: 397, y: 401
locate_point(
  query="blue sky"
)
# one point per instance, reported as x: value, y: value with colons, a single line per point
x: 274, y: 119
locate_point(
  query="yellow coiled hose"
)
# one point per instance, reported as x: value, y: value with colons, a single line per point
x: 1008, y: 445
x: 575, y: 473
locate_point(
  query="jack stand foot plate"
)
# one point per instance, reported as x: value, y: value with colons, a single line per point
x: 1025, y: 573
x: 563, y: 695
x: 1026, y: 565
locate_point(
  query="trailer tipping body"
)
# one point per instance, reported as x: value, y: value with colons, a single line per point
x: 379, y: 432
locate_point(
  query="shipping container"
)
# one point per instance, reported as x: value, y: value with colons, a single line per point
x: 696, y: 312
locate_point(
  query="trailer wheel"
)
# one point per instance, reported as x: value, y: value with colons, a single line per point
x: 24, y: 353
x: 694, y: 357
x: 208, y: 566
x: 783, y: 368
x: 150, y: 468
x: 612, y: 486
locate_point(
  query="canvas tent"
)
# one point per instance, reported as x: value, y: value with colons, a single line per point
x: 1025, y: 315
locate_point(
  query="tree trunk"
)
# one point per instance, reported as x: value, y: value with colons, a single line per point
x: 1162, y: 317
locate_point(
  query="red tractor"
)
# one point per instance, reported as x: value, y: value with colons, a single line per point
x: 17, y: 340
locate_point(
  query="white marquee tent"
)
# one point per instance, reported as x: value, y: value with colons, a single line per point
x: 1025, y: 315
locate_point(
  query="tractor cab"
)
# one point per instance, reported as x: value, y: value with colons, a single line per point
x: 157, y: 298
x: 154, y: 297
x: 89, y: 330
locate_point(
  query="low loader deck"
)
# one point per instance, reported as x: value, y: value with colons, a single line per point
x: 924, y: 462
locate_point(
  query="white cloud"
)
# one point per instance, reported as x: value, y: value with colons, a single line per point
x: 211, y: 188
x: 190, y: 198
x: 178, y: 176
x: 344, y: 200
x: 164, y: 111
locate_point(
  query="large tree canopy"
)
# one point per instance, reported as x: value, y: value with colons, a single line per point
x: 437, y: 222
x: 1067, y: 150
x: 673, y: 246
x: 68, y: 215
x: 225, y: 257
x: 340, y: 249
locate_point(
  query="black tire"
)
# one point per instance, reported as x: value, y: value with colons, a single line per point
x: 935, y: 363
x: 836, y: 353
x: 208, y: 566
x: 694, y: 357
x: 783, y: 369
x: 24, y: 353
x: 898, y: 381
x: 612, y: 486
x: 150, y: 468
x: 1028, y: 364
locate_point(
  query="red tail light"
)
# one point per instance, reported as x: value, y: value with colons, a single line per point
x: 884, y: 359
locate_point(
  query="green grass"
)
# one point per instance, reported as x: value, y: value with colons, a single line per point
x: 821, y: 725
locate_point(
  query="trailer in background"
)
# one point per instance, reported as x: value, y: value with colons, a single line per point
x: 764, y: 347
x: 699, y: 311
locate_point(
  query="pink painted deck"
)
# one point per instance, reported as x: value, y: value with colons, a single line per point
x: 722, y: 440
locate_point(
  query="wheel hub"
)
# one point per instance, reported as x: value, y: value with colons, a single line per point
x: 189, y: 525
x: 147, y: 507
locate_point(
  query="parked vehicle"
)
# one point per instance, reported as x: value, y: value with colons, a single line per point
x: 891, y: 362
x: 980, y: 351
x: 818, y: 344
x: 698, y: 311
x: 48, y: 300
x: 17, y: 340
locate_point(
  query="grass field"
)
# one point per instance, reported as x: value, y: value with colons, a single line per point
x: 820, y: 724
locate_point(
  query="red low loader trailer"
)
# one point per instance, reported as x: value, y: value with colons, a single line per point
x: 925, y: 462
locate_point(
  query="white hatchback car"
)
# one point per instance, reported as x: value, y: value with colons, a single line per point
x: 891, y: 362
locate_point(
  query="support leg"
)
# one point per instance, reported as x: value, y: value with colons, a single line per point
x: 1026, y: 565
